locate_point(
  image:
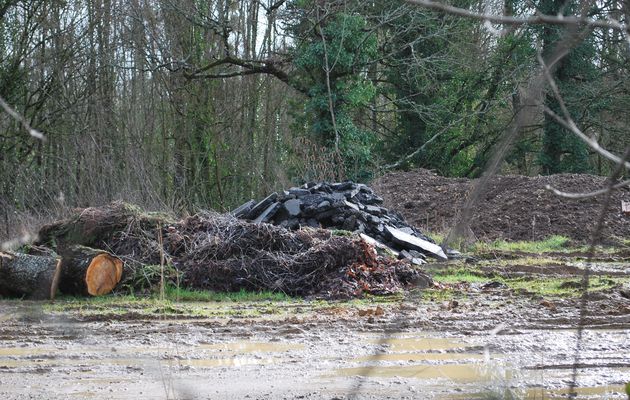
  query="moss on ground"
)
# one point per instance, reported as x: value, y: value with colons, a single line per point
x: 543, y: 285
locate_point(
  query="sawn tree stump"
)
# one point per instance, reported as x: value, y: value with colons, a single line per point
x: 87, y: 271
x: 33, y: 277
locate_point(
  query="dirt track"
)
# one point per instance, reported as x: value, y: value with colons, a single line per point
x: 484, y: 340
x: 512, y: 207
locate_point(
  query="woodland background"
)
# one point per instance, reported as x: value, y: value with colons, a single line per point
x: 179, y: 105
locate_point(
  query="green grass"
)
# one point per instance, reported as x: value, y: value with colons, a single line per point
x: 437, y: 237
x: 551, y: 244
x: 459, y: 275
x: 178, y: 302
x: 179, y: 294
x: 553, y: 287
x: 536, y: 284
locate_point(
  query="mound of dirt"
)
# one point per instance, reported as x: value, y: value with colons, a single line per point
x: 511, y: 207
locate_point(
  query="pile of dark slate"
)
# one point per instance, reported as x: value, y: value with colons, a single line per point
x: 345, y: 206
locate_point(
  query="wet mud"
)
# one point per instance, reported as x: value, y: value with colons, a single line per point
x: 486, y: 341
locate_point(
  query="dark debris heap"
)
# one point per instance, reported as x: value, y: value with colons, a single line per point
x: 346, y: 206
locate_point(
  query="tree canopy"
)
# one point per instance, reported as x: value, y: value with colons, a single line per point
x: 179, y: 104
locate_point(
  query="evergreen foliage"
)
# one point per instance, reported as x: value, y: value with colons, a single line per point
x: 178, y: 105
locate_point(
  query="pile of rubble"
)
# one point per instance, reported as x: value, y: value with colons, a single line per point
x: 345, y: 206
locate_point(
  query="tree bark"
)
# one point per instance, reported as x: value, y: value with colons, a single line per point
x: 87, y: 271
x: 33, y: 277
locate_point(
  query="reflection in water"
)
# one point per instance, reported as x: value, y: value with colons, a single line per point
x: 37, y: 357
x: 422, y: 344
x: 596, y: 392
x: 252, y: 347
x: 461, y: 373
x: 420, y: 357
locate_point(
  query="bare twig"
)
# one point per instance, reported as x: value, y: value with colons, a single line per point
x: 585, y: 277
x: 418, y: 150
x: 592, y: 143
x: 327, y: 70
x: 568, y: 195
x: 18, y: 117
x: 539, y: 19
x: 568, y: 121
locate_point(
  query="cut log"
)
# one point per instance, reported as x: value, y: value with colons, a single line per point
x: 32, y: 277
x: 97, y: 226
x: 87, y: 271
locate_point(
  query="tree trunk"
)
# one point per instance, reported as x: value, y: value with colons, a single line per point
x: 87, y: 271
x: 33, y: 277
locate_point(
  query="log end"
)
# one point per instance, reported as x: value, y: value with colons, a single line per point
x: 103, y: 274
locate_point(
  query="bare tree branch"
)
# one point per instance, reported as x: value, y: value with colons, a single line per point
x: 15, y: 115
x: 587, y: 272
x: 539, y: 19
x: 269, y: 67
x: 596, y: 193
x: 592, y: 143
x: 327, y: 70
x: 568, y: 121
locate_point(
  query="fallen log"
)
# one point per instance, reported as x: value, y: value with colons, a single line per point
x: 97, y: 227
x: 29, y: 276
x: 87, y: 271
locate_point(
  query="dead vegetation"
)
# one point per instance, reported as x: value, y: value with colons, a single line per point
x: 219, y: 252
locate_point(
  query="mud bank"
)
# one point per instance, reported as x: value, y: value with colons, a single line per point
x: 480, y: 338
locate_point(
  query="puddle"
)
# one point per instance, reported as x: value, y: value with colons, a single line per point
x: 84, y: 362
x: 253, y: 347
x: 596, y: 392
x: 460, y: 373
x: 410, y: 344
x: 420, y: 357
x: 139, y: 362
x: 37, y: 357
x: 229, y: 362
x: 25, y: 351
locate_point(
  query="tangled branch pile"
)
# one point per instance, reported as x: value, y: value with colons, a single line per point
x: 219, y: 252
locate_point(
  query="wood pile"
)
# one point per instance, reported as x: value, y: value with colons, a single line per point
x: 345, y: 206
x: 98, y: 249
x: 79, y: 271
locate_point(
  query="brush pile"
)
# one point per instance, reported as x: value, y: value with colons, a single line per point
x: 223, y: 253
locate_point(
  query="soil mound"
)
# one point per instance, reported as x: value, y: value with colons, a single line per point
x: 512, y: 207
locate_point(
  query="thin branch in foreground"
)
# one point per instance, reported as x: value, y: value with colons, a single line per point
x: 596, y: 193
x: 595, y: 238
x: 15, y: 115
x: 568, y: 122
x: 539, y: 19
x: 592, y: 143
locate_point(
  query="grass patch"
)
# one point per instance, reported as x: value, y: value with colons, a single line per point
x: 177, y: 302
x: 438, y: 295
x: 459, y: 275
x: 546, y: 286
x: 437, y: 237
x: 551, y: 244
x: 179, y: 294
x: 561, y: 287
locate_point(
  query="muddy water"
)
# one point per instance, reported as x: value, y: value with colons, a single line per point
x: 317, y: 356
x: 530, y: 365
x: 460, y: 367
